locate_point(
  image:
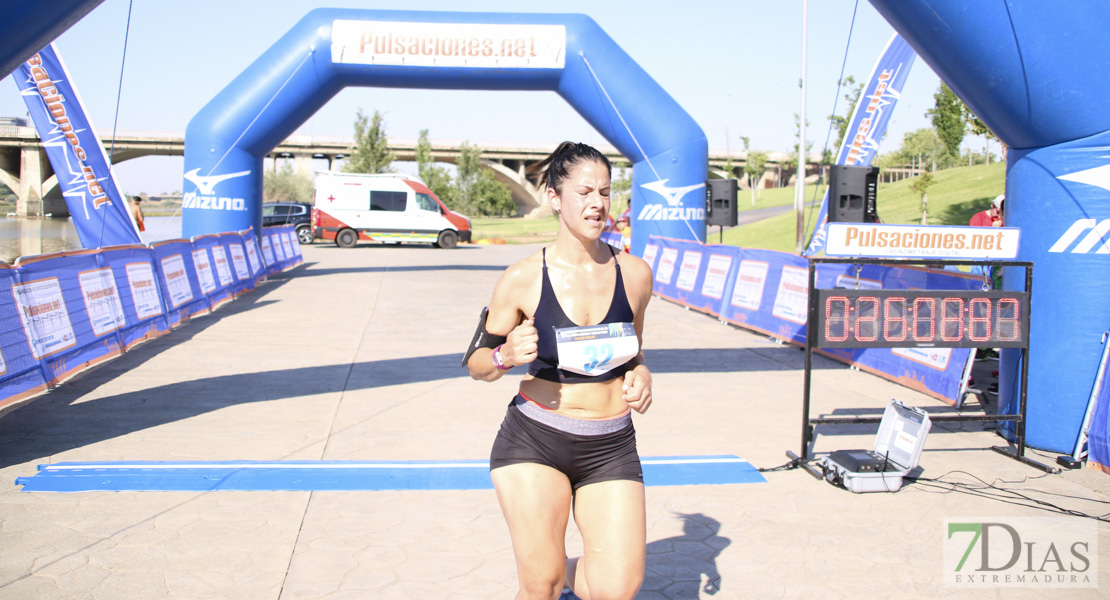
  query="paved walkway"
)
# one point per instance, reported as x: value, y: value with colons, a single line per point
x: 354, y: 356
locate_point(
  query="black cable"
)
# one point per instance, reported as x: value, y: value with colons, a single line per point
x: 828, y: 134
x: 793, y: 464
x: 115, y: 121
x: 1007, y: 495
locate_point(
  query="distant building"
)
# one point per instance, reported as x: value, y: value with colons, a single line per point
x: 13, y: 121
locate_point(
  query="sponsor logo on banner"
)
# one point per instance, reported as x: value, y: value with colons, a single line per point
x: 649, y: 254
x: 102, y: 303
x: 716, y: 276
x: 1017, y: 552
x: 42, y: 310
x: 933, y: 241
x: 934, y: 358
x: 748, y: 290
x: 673, y: 211
x: 144, y: 290
x: 666, y: 265
x: 1096, y: 232
x: 688, y: 272
x: 177, y: 280
x: 792, y: 298
x: 205, y: 197
x: 477, y: 45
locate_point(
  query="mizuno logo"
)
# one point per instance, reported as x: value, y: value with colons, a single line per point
x: 1098, y: 177
x: 206, y: 184
x: 1098, y: 230
x: 673, y: 196
x: 658, y: 212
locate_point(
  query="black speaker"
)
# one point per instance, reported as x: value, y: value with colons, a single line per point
x: 852, y: 192
x: 720, y: 202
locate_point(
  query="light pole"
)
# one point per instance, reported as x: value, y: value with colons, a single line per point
x: 800, y: 184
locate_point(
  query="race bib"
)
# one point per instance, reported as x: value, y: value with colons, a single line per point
x: 596, y: 349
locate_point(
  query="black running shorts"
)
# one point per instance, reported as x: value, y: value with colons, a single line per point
x: 585, y: 450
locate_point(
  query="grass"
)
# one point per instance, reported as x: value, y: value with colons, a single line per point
x: 516, y: 230
x: 954, y: 197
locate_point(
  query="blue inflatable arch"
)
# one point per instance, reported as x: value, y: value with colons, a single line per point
x: 1033, y: 72
x: 330, y: 49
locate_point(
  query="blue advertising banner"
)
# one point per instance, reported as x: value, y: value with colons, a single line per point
x: 699, y: 274
x: 869, y: 121
x: 70, y: 310
x: 240, y: 265
x: 139, y: 293
x: 21, y: 374
x: 178, y: 278
x: 95, y: 203
x: 213, y: 269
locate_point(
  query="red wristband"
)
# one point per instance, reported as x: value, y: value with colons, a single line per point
x: 497, y: 362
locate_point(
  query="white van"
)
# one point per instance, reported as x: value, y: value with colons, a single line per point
x: 383, y: 208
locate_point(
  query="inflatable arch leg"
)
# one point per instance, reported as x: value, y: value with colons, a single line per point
x: 1045, y: 100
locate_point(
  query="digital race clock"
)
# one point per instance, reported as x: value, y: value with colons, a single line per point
x: 921, y: 318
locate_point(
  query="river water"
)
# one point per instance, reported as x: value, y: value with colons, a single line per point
x: 29, y: 237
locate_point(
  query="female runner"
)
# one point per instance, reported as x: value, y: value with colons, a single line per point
x: 573, y: 313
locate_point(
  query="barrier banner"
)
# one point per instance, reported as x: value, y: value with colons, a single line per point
x: 178, y: 278
x: 869, y: 121
x: 294, y: 244
x: 70, y: 310
x: 701, y: 273
x: 21, y: 374
x: 213, y: 270
x: 139, y: 293
x: 267, y: 253
x: 95, y: 203
x: 651, y: 252
x: 250, y: 247
x: 237, y: 258
x: 769, y: 294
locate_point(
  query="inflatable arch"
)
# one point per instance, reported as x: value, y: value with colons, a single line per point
x: 1032, y: 71
x: 330, y: 49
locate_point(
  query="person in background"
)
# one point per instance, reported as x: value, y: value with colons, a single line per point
x: 137, y: 212
x: 992, y: 217
x: 626, y: 233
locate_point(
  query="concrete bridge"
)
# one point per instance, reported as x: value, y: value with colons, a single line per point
x: 25, y: 168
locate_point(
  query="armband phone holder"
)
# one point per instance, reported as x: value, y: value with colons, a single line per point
x: 482, y: 338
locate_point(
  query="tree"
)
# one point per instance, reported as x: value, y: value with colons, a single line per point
x: 468, y: 166
x: 923, y: 146
x: 490, y: 197
x: 921, y: 186
x: 978, y: 127
x: 949, y: 118
x: 476, y: 191
x: 852, y: 96
x: 437, y: 178
x: 619, y: 189
x: 370, y: 153
x: 754, y: 167
x: 285, y: 185
x: 790, y: 164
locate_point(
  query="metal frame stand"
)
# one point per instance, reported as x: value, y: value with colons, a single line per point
x: 808, y: 434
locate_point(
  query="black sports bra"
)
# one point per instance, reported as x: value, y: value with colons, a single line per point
x: 555, y: 327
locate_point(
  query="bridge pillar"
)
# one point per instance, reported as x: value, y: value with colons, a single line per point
x: 302, y: 164
x: 529, y: 199
x: 29, y: 194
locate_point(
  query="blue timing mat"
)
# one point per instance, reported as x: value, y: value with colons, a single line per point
x: 342, y: 475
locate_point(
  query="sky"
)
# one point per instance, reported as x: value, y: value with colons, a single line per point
x: 733, y: 65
